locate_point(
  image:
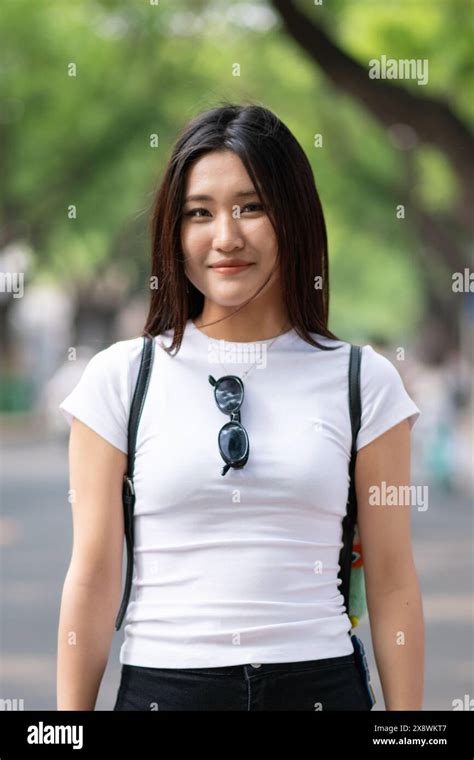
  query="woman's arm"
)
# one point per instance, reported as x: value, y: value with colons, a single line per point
x: 93, y: 584
x: 392, y: 587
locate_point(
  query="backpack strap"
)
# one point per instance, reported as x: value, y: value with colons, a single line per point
x: 350, y: 518
x: 128, y: 490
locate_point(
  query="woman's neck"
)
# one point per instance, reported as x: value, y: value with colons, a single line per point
x: 240, y: 328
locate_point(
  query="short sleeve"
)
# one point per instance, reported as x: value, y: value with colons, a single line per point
x: 101, y: 398
x: 384, y: 398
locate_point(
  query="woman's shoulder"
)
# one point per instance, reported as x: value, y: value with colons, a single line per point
x: 121, y: 348
x: 117, y: 358
x: 385, y: 399
x: 103, y: 390
x: 377, y: 367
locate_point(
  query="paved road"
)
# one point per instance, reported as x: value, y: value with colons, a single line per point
x: 36, y: 524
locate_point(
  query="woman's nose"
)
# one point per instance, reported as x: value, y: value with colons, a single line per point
x: 227, y: 234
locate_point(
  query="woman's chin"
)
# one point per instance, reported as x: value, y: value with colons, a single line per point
x: 230, y: 294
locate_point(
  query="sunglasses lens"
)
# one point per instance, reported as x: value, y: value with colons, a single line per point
x: 233, y: 442
x: 229, y: 395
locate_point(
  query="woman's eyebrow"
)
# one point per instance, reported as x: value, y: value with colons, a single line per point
x: 200, y: 197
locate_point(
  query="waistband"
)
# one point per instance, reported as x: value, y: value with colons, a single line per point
x: 253, y: 667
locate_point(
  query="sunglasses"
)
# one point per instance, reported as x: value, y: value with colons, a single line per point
x: 233, y: 439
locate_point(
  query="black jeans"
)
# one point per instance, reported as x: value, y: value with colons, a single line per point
x: 328, y: 684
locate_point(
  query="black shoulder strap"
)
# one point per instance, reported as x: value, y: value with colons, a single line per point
x: 128, y: 491
x: 350, y: 518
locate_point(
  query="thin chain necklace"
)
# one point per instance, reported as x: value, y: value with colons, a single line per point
x: 247, y: 371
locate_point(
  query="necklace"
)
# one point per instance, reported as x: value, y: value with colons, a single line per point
x: 247, y: 371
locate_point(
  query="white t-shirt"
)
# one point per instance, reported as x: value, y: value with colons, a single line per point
x: 240, y: 568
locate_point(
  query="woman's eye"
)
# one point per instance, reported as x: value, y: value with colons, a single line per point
x: 256, y: 206
x: 199, y: 212
x: 193, y: 211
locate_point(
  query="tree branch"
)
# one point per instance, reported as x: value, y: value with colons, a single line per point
x: 433, y: 120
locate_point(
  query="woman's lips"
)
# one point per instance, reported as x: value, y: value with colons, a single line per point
x: 231, y: 269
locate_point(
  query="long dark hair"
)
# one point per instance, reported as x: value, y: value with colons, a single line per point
x: 283, y: 177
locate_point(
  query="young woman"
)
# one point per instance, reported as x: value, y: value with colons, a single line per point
x: 237, y: 603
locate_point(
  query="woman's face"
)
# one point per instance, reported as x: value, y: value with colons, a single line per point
x: 224, y: 219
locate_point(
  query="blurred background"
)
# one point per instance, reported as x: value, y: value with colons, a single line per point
x: 92, y: 97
